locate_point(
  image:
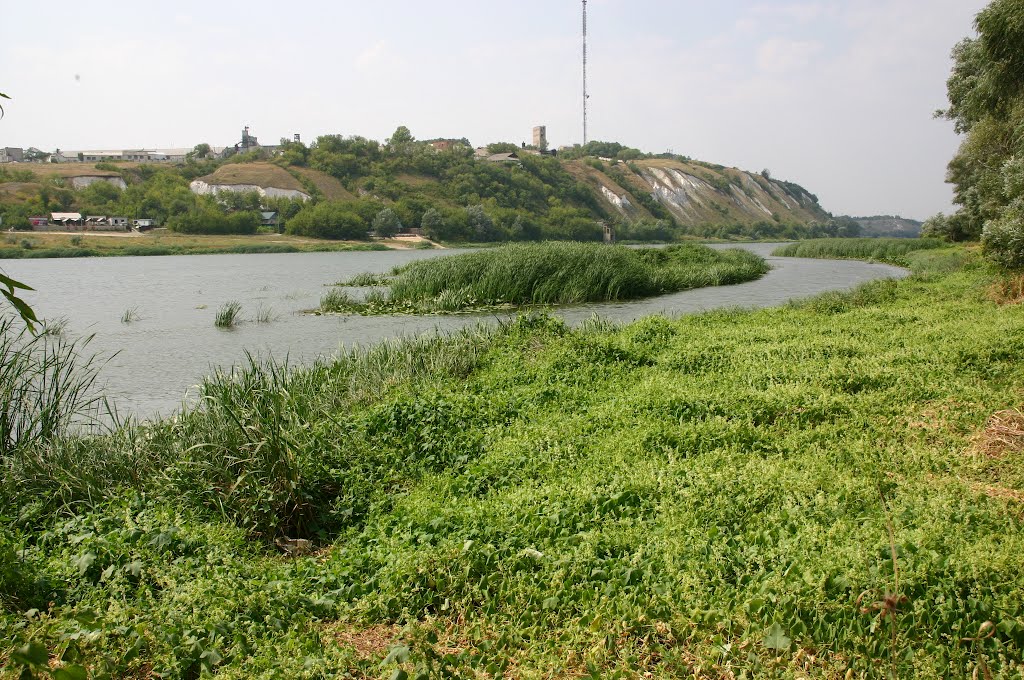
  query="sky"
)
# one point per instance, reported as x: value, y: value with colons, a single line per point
x: 837, y: 95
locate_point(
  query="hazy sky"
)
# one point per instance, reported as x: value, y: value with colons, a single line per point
x: 837, y: 95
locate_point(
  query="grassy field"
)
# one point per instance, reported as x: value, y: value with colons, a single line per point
x: 832, y: 489
x: 162, y: 242
x: 548, y: 274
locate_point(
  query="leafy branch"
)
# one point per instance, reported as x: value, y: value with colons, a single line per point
x: 8, y: 287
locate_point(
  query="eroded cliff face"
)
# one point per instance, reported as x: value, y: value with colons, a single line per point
x: 697, y: 194
x: 200, y: 187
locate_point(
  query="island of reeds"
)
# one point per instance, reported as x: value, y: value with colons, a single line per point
x: 553, y: 273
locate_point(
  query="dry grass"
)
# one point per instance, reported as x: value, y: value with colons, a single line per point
x: 329, y: 186
x: 46, y: 170
x: 1003, y: 434
x: 17, y: 192
x: 368, y: 643
x: 260, y: 174
x: 1008, y: 291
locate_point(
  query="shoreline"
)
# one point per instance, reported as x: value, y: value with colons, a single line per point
x: 71, y: 244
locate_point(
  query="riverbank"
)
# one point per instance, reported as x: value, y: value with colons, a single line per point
x: 828, y: 486
x: 18, y: 245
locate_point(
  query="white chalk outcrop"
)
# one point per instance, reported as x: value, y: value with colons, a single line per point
x: 204, y: 188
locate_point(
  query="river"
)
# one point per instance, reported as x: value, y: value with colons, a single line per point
x: 151, y: 364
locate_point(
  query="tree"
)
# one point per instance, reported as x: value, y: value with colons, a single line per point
x: 433, y: 225
x: 480, y: 224
x: 401, y: 142
x: 986, y: 104
x: 386, y: 223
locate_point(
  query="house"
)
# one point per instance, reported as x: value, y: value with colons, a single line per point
x: 504, y: 158
x: 38, y: 222
x: 443, y: 145
x: 269, y: 218
x: 11, y: 154
x: 144, y: 224
x: 104, y: 223
x: 67, y: 219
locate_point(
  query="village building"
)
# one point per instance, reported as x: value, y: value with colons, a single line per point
x: 68, y: 220
x: 11, y: 154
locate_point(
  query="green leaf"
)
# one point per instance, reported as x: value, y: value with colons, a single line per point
x: 32, y: 654
x: 776, y: 639
x: 84, y: 561
x: 398, y: 654
x: 70, y: 672
x: 399, y: 674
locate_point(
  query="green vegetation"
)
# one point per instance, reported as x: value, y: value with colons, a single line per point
x: 171, y: 243
x: 986, y: 104
x: 366, y: 279
x: 892, y: 250
x: 549, y: 274
x: 828, y: 489
x: 359, y: 186
x: 227, y: 315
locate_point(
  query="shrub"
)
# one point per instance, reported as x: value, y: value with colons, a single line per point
x: 214, y: 222
x: 328, y: 220
x: 386, y: 224
x: 1003, y: 241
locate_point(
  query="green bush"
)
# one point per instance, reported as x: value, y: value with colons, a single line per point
x: 213, y: 222
x: 1003, y: 241
x: 330, y: 221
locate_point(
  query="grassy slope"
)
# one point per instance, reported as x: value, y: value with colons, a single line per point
x: 259, y: 174
x: 699, y: 497
x: 329, y: 186
x: 47, y: 170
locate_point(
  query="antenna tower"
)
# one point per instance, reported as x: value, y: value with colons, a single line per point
x: 585, y: 95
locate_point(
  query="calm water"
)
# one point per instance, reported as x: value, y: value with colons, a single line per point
x: 153, y: 364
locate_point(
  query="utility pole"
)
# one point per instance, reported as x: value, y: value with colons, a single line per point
x: 585, y: 95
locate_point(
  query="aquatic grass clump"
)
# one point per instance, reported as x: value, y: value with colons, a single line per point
x: 892, y: 250
x: 227, y: 315
x: 46, y: 387
x: 551, y: 274
x: 365, y: 280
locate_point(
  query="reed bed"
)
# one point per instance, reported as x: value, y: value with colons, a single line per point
x: 549, y: 274
x: 892, y: 250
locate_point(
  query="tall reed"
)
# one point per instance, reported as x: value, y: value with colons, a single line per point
x: 892, y: 250
x: 227, y: 315
x: 551, y: 273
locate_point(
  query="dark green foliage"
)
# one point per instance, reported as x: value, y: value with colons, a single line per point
x: 986, y: 96
x: 386, y: 224
x: 329, y: 220
x: 215, y: 222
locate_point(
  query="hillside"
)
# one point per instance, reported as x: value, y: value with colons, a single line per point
x: 266, y: 179
x: 337, y: 186
x: 696, y: 194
